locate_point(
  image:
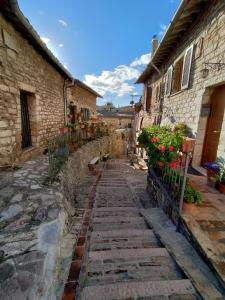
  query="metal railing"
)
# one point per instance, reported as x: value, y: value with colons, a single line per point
x: 61, y: 145
x: 174, y: 180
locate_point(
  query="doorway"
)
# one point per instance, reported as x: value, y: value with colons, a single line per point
x: 214, y: 125
x: 25, y: 121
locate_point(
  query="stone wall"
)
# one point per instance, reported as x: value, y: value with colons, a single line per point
x: 186, y: 105
x: 23, y: 69
x: 119, y: 122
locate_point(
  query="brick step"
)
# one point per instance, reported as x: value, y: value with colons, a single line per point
x: 119, y: 226
x: 123, y: 233
x: 125, y: 254
x: 169, y: 289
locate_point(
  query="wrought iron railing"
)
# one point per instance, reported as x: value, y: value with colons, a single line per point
x: 60, y: 146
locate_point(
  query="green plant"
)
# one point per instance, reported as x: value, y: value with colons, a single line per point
x: 181, y: 128
x: 191, y: 195
x: 220, y: 176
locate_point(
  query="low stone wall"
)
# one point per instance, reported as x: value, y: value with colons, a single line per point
x: 160, y: 197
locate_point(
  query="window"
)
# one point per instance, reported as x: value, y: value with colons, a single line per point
x: 148, y: 99
x: 169, y: 80
x: 85, y: 114
x: 177, y: 75
x: 187, y: 68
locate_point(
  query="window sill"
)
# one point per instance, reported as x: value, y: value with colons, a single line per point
x: 177, y: 93
x: 28, y: 149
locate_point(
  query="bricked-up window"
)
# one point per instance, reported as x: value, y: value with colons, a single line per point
x: 85, y: 114
x: 187, y: 67
x: 177, y: 75
x: 169, y: 76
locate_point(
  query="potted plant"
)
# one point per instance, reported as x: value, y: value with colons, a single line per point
x: 191, y: 198
x: 212, y: 173
x: 221, y: 175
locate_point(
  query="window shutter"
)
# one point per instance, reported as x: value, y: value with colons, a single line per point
x: 187, y: 67
x: 169, y: 80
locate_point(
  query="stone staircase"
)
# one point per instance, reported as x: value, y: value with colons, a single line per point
x: 124, y: 259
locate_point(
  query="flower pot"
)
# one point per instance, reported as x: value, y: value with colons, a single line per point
x: 211, y: 181
x: 188, y: 207
x: 63, y: 130
x: 188, y: 145
x: 222, y: 188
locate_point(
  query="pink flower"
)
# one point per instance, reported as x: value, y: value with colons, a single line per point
x: 154, y: 139
x: 161, y: 148
x: 171, y: 148
x: 160, y: 164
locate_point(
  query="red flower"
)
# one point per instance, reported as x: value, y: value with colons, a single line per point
x: 154, y: 139
x: 173, y: 165
x: 171, y: 148
x: 161, y: 148
x: 160, y: 164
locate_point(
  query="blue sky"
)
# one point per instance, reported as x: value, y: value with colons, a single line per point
x: 105, y: 43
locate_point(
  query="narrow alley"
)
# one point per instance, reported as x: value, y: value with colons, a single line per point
x: 123, y: 258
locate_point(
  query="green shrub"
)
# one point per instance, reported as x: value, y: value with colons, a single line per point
x: 191, y: 195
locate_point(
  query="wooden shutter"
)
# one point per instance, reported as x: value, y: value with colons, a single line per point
x: 148, y: 99
x: 187, y: 67
x: 169, y: 80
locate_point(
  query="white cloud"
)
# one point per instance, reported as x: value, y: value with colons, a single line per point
x: 119, y: 81
x: 163, y: 29
x: 45, y: 39
x: 65, y: 65
x: 61, y: 45
x: 114, y: 82
x: 142, y: 60
x: 63, y: 23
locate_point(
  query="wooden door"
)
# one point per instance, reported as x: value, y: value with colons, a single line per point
x: 214, y: 125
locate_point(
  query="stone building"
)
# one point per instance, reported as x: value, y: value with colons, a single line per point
x: 119, y: 120
x: 33, y: 88
x: 81, y: 102
x: 185, y: 79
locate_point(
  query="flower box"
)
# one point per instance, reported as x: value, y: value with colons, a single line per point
x: 188, y: 145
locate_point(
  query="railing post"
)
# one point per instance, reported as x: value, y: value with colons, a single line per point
x: 188, y: 154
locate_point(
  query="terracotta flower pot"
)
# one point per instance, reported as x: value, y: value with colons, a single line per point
x: 188, y: 145
x: 222, y: 188
x: 63, y: 130
x: 188, y: 207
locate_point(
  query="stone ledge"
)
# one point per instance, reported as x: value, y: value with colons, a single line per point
x: 184, y: 254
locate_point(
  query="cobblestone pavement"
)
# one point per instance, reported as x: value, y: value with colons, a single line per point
x: 124, y: 259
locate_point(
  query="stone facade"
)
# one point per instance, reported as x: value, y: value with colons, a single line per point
x: 22, y: 69
x: 206, y: 35
x: 82, y: 98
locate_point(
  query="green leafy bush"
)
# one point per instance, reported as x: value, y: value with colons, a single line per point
x: 191, y: 195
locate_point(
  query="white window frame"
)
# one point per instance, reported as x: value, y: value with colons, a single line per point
x: 169, y: 71
x: 183, y: 87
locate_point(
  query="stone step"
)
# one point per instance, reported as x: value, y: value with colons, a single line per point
x: 131, y: 290
x: 117, y: 213
x: 117, y: 209
x: 123, y: 233
x: 109, y: 273
x: 97, y: 220
x: 119, y: 226
x: 112, y: 204
x: 125, y: 254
